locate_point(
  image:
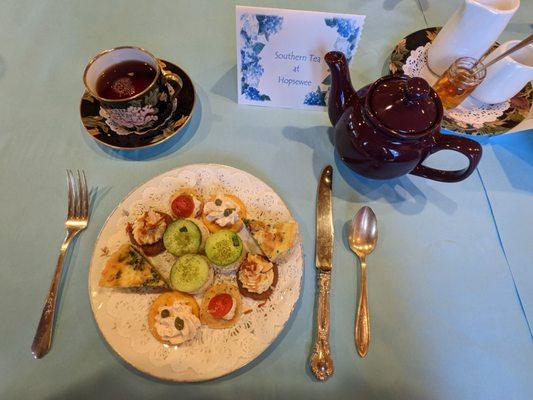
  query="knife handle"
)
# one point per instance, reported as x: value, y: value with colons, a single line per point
x: 321, y: 363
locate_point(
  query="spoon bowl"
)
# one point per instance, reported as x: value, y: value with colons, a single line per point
x: 363, y: 234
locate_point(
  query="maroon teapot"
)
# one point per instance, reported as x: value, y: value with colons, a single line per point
x: 390, y: 127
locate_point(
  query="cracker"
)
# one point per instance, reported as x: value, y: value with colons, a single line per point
x: 167, y: 300
x: 214, y: 290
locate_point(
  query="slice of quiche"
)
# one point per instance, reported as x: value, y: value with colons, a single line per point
x: 128, y: 268
x: 275, y: 240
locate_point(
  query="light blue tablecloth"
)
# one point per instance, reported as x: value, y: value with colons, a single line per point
x: 507, y: 173
x: 446, y: 319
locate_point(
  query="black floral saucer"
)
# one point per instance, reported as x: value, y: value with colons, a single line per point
x: 96, y: 125
x: 478, y: 119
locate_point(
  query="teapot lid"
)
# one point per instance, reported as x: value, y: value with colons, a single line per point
x: 405, y: 106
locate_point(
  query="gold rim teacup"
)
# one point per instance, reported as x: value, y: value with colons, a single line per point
x: 143, y: 111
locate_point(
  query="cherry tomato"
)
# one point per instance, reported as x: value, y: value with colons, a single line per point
x: 183, y: 206
x: 220, y: 305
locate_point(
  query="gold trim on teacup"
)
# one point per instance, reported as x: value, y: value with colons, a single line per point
x: 104, y: 52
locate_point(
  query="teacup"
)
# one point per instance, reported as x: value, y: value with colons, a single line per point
x: 131, y: 103
x: 506, y: 77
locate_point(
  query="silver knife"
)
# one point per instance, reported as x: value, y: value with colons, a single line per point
x: 320, y: 362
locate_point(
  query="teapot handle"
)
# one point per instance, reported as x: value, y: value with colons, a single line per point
x: 470, y: 148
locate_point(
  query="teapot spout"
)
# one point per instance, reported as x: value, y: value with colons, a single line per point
x: 342, y: 93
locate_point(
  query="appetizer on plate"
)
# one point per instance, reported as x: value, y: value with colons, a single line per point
x: 191, y: 273
x: 185, y: 236
x: 224, y: 211
x: 225, y: 251
x: 146, y: 232
x: 275, y: 240
x: 221, y: 306
x: 174, y: 318
x: 128, y: 268
x: 186, y: 204
x: 257, y: 277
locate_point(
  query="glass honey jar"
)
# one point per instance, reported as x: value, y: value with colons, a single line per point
x: 459, y: 80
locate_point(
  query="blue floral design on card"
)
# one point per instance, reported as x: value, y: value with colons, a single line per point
x: 316, y: 98
x: 348, y: 33
x: 348, y: 30
x: 254, y: 28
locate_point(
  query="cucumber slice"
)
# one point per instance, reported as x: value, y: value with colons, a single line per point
x: 182, y: 237
x: 189, y: 273
x: 223, y: 247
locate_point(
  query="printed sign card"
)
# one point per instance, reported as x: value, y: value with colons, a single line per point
x: 280, y: 54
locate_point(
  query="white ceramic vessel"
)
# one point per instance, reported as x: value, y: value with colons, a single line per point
x: 506, y: 77
x: 470, y: 31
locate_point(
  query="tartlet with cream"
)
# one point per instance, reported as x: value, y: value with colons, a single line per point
x: 257, y: 277
x: 146, y: 232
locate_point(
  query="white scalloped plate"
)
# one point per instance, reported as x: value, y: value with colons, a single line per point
x: 121, y: 316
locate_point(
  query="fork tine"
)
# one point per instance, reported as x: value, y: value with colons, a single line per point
x: 70, y: 193
x: 75, y: 196
x: 84, y: 197
x: 78, y: 194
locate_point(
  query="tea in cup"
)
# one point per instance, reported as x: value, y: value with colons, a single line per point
x: 135, y: 93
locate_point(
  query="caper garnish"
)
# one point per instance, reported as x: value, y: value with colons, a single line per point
x: 178, y: 323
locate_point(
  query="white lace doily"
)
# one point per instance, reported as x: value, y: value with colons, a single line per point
x: 470, y: 111
x: 122, y: 315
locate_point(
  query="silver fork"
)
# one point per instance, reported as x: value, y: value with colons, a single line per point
x: 77, y: 219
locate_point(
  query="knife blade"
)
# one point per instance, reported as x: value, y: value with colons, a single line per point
x: 320, y: 361
x: 324, y: 222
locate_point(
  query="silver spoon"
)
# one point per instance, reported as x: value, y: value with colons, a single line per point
x: 362, y: 237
